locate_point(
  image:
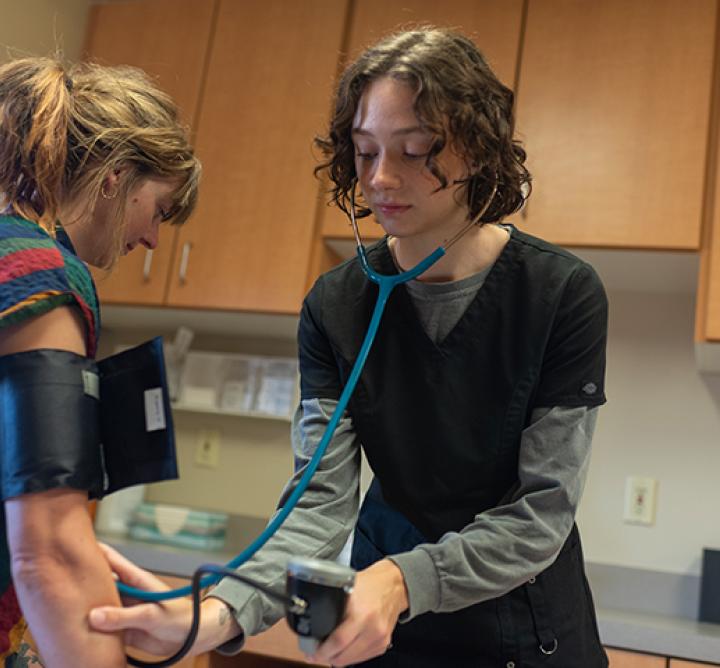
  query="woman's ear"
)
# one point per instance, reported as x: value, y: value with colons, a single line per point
x: 116, y: 175
x: 113, y: 179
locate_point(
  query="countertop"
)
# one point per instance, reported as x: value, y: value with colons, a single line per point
x: 659, y: 634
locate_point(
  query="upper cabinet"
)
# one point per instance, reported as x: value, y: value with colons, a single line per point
x: 254, y: 81
x: 712, y: 319
x: 267, y: 94
x: 494, y: 25
x: 627, y: 659
x: 707, y: 322
x: 169, y: 40
x: 613, y: 108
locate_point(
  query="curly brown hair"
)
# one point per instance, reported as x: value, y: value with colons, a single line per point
x: 459, y: 100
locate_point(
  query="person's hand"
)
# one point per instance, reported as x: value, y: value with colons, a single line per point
x: 158, y: 628
x: 373, y: 608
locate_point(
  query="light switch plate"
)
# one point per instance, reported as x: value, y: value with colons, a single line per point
x: 640, y: 500
x: 207, y: 450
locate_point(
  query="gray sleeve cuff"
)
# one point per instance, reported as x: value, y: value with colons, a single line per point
x: 231, y: 647
x: 234, y: 646
x: 422, y: 582
x: 246, y: 606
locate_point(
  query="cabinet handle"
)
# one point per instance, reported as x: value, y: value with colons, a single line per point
x: 184, y: 262
x: 147, y: 265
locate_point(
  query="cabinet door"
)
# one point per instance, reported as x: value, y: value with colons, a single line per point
x: 708, y: 304
x: 712, y: 332
x: 494, y: 25
x: 613, y: 107
x: 679, y: 663
x: 622, y: 659
x: 267, y: 94
x: 169, y: 40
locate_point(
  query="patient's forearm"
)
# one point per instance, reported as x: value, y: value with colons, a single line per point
x: 59, y: 575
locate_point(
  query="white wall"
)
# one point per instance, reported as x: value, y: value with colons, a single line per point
x: 662, y: 420
x: 42, y: 27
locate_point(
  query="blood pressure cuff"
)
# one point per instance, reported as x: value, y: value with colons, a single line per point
x: 67, y: 421
x: 135, y: 418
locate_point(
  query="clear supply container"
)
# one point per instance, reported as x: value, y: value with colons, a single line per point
x: 236, y: 384
x: 237, y: 389
x: 277, y: 386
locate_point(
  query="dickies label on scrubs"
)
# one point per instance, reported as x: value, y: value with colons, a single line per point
x: 91, y: 384
x: 589, y: 389
x: 154, y: 410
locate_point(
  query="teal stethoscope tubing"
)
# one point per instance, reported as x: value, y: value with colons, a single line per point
x: 386, y: 285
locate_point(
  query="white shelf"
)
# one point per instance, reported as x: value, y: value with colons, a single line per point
x: 201, y: 408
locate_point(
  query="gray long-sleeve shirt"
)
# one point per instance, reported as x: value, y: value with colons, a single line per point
x: 502, y: 548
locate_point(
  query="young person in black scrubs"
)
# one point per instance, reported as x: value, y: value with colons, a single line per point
x: 476, y: 407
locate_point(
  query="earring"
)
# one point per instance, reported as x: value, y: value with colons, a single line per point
x: 105, y: 195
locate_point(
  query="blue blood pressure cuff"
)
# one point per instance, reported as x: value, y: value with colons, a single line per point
x: 68, y: 421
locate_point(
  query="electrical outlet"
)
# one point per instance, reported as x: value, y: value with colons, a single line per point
x: 640, y: 499
x: 207, y: 451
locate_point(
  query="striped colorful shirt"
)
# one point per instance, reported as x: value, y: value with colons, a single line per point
x: 37, y: 274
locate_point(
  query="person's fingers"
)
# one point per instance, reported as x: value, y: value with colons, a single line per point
x: 111, y: 554
x: 110, y: 618
x: 364, y: 646
x: 342, y: 637
x: 362, y: 635
x: 129, y: 573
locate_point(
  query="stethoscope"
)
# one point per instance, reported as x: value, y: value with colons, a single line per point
x: 386, y: 284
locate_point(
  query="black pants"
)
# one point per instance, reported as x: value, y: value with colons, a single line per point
x: 547, y: 623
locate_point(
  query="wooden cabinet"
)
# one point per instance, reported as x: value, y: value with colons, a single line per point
x: 267, y: 94
x: 707, y: 324
x: 494, y: 25
x: 168, y: 39
x: 620, y: 658
x: 712, y: 327
x: 624, y: 659
x: 254, y: 78
x: 278, y: 646
x: 614, y: 107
